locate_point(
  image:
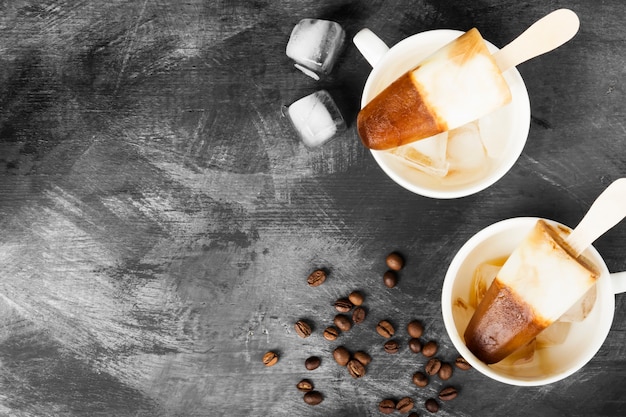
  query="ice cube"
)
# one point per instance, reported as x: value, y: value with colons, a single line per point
x: 316, y: 118
x: 493, y: 133
x: 579, y: 311
x: 553, y: 335
x: 427, y: 155
x: 483, y: 276
x: 314, y: 46
x: 524, y: 356
x: 462, y: 312
x: 466, y: 152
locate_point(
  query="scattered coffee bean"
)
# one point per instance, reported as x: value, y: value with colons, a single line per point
x: 390, y: 279
x: 342, y: 322
x: 404, y: 405
x: 358, y: 315
x: 313, y: 397
x: 331, y: 333
x: 432, y: 366
x: 385, y: 329
x: 415, y: 329
x: 432, y: 405
x: 429, y: 349
x: 270, y: 358
x: 461, y: 363
x: 392, y: 346
x: 303, y: 329
x: 316, y: 278
x: 312, y: 363
x: 343, y: 305
x: 305, y: 385
x: 445, y: 372
x: 341, y: 355
x: 362, y: 357
x: 387, y: 406
x: 448, y: 393
x: 355, y: 368
x: 420, y: 379
x: 415, y: 345
x: 356, y: 298
x: 394, y: 261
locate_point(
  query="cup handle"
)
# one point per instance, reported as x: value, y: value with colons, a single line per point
x: 371, y: 46
x: 618, y: 279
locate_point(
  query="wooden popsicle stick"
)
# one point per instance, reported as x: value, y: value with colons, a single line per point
x: 608, y: 210
x: 546, y: 34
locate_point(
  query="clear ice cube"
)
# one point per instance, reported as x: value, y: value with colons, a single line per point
x: 462, y: 312
x: 466, y: 152
x: 580, y: 310
x: 483, y: 276
x: 427, y: 155
x: 316, y: 118
x: 524, y: 356
x: 314, y: 46
x: 492, y: 132
x: 553, y: 335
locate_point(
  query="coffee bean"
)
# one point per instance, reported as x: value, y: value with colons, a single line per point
x: 448, y: 393
x: 331, y: 333
x: 358, y: 315
x: 387, y: 406
x: 313, y: 397
x: 420, y: 379
x: 316, y: 278
x: 414, y: 414
x: 404, y: 405
x: 305, y: 385
x: 394, y: 261
x: 432, y: 366
x: 415, y: 329
x: 342, y: 322
x: 390, y: 279
x: 392, y: 346
x: 303, y: 329
x: 341, y: 355
x: 432, y: 405
x: 385, y: 329
x: 312, y: 363
x: 270, y: 358
x: 356, y: 298
x: 343, y: 305
x: 445, y: 372
x: 461, y: 363
x: 355, y: 368
x: 415, y: 345
x: 362, y: 357
x: 429, y: 349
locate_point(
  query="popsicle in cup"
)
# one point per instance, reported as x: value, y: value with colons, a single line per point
x: 539, y: 282
x: 457, y: 84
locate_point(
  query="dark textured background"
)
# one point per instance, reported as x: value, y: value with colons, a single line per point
x: 158, y: 218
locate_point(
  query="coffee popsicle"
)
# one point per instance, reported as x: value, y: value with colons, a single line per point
x: 457, y: 84
x: 538, y: 283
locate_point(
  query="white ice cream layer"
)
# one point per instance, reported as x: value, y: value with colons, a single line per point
x: 461, y: 81
x: 545, y: 276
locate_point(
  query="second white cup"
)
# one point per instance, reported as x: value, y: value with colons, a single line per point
x: 553, y: 363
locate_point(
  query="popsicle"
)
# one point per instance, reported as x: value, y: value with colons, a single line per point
x: 457, y: 84
x: 538, y: 283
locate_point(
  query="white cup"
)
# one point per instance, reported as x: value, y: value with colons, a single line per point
x: 584, y: 338
x: 512, y: 122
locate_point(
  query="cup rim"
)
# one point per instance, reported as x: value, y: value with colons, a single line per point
x: 446, y: 306
x: 522, y: 101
